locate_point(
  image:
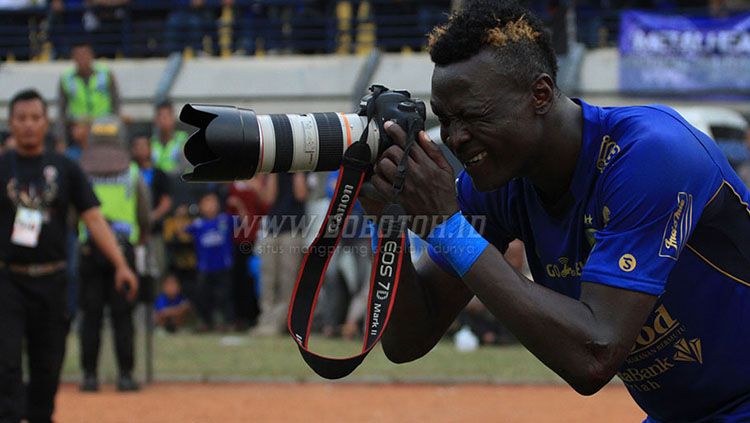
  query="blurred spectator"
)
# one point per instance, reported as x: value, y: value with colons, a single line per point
x: 281, y: 252
x: 187, y: 24
x: 248, y: 201
x: 108, y: 21
x: 79, y: 139
x: 394, y: 24
x: 65, y: 20
x: 161, y: 204
x: 125, y: 204
x: 7, y: 142
x: 167, y: 142
x: 212, y: 233
x: 311, y: 26
x: 88, y: 90
x: 250, y: 24
x: 171, y: 307
x: 275, y: 28
x: 18, y: 19
x: 181, y: 251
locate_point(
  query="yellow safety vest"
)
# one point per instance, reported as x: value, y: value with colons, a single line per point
x: 167, y: 157
x: 118, y: 196
x: 88, y: 99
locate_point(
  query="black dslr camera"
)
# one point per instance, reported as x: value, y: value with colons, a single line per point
x: 232, y: 143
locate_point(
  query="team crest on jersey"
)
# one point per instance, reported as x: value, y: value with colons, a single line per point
x: 678, y: 227
x: 607, y: 152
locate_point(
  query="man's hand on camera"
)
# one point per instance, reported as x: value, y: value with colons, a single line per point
x: 429, y: 188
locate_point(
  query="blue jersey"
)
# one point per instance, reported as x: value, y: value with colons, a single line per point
x: 163, y: 301
x: 213, y: 243
x: 653, y: 207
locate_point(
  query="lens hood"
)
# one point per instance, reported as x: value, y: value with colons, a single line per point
x: 225, y: 147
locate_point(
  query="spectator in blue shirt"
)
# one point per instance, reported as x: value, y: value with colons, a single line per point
x: 171, y: 307
x: 212, y: 233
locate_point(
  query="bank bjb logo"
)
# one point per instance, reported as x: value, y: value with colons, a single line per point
x: 689, y: 350
x: 660, y: 324
x: 678, y: 227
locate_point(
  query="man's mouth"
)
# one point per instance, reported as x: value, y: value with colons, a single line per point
x: 476, y: 159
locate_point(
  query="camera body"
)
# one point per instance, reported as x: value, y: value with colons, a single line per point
x: 383, y: 105
x: 232, y: 143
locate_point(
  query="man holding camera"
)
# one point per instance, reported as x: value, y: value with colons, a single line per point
x: 38, y: 188
x: 645, y: 211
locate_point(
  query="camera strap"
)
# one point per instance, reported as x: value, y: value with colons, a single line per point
x: 386, y: 269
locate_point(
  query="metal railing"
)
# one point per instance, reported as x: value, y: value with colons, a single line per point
x: 248, y: 27
x: 147, y: 29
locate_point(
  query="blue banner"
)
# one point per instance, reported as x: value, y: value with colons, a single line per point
x: 682, y: 55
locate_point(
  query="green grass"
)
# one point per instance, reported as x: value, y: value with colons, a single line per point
x: 243, y: 357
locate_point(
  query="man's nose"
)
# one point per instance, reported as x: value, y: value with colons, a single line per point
x: 457, y: 135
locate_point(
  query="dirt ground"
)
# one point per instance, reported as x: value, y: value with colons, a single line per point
x: 247, y: 402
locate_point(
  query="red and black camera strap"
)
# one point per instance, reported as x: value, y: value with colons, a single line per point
x: 387, y: 263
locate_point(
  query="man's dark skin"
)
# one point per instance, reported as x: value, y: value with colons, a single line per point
x: 535, y: 133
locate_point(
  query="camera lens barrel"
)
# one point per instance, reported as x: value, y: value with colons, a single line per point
x: 309, y: 142
x: 234, y: 143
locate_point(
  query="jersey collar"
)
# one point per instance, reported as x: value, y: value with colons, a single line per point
x: 587, y: 157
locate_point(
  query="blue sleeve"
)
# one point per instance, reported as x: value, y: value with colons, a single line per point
x: 160, y: 303
x: 194, y: 227
x: 650, y: 197
x: 474, y: 207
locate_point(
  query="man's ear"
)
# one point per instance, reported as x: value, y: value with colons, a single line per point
x: 543, y: 90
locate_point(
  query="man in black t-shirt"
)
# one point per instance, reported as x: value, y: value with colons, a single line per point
x: 37, y: 188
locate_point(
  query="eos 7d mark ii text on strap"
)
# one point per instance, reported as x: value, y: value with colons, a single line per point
x: 387, y: 263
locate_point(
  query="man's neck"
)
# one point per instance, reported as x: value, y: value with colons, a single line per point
x: 166, y: 135
x: 554, y: 169
x: 145, y: 164
x: 30, y: 152
x: 85, y: 73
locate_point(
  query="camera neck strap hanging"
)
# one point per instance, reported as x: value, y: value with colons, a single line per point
x: 387, y: 261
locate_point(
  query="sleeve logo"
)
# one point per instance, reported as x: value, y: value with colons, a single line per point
x: 607, y: 152
x: 627, y: 263
x: 678, y: 227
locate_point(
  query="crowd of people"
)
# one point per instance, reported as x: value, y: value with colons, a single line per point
x: 140, y: 28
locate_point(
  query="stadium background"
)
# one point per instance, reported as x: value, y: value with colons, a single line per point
x: 282, y: 56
